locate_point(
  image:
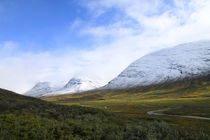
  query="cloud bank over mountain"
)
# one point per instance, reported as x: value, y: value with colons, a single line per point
x: 111, y: 35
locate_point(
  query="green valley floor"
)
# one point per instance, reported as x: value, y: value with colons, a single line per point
x: 188, y: 97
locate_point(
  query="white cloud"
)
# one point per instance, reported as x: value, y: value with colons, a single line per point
x: 21, y: 72
x: 155, y: 25
x: 146, y: 26
x: 75, y: 24
x: 8, y: 45
x: 158, y: 22
x: 115, y: 30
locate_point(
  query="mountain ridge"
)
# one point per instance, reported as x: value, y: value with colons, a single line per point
x: 74, y: 85
x: 187, y: 60
x: 39, y: 89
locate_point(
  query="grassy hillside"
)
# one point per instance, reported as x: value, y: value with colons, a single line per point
x: 186, y: 97
x: 29, y: 118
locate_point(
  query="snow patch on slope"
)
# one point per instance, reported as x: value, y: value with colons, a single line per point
x: 185, y: 60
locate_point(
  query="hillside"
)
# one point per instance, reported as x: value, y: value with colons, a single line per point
x: 28, y: 118
x: 40, y: 89
x: 183, y: 97
x: 187, y: 60
x: 196, y: 87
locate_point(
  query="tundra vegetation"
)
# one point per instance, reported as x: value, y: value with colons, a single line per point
x: 108, y: 115
x: 187, y: 97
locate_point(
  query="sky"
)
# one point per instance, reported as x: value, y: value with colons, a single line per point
x: 53, y: 40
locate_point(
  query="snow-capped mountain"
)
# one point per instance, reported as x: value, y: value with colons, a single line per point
x: 75, y: 85
x: 39, y: 89
x: 171, y: 64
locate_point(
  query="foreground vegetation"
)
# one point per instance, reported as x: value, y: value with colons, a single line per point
x: 187, y: 97
x: 28, y: 118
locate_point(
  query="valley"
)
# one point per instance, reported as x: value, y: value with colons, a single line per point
x: 24, y: 118
x: 104, y: 70
x: 186, y: 97
x: 163, y: 95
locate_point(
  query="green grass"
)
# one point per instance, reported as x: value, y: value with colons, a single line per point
x: 189, y: 97
x: 26, y: 118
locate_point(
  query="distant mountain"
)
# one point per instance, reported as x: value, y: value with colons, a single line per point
x: 183, y: 61
x: 81, y: 84
x: 75, y: 85
x: 40, y: 89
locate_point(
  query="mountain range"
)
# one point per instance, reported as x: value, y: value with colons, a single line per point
x: 189, y: 60
x: 74, y: 85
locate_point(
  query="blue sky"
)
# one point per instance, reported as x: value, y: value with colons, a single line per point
x: 52, y: 40
x: 44, y: 25
x: 37, y: 23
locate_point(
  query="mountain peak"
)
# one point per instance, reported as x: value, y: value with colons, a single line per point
x: 73, y: 81
x: 77, y: 81
x: 39, y: 89
x: 78, y: 84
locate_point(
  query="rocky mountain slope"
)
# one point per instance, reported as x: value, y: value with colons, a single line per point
x: 183, y: 61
